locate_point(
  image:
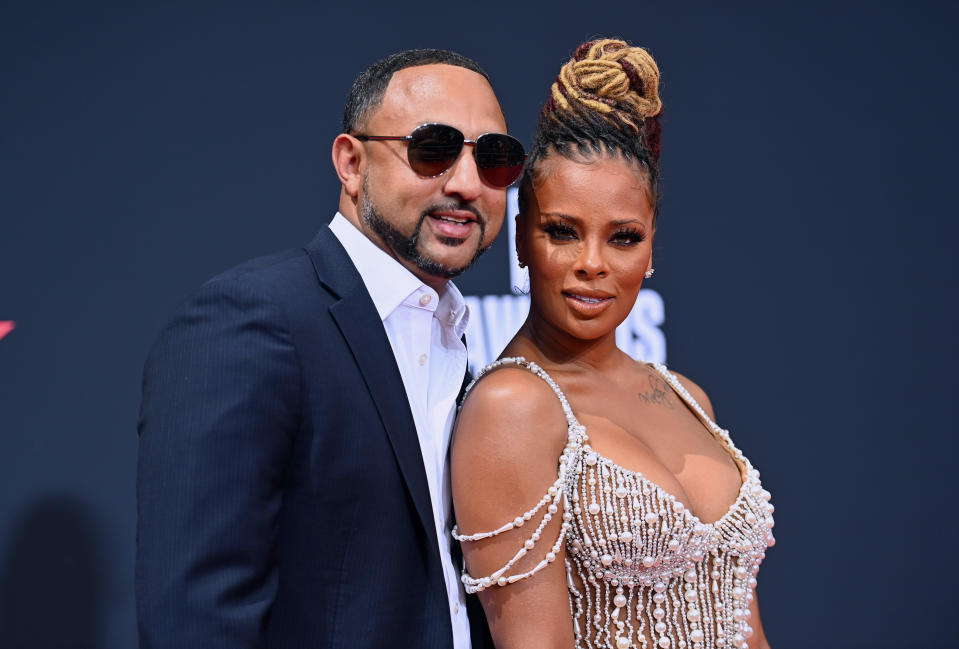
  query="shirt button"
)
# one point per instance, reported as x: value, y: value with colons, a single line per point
x: 425, y: 299
x: 422, y: 359
x: 456, y: 608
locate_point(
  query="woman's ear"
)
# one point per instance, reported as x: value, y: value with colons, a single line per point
x: 348, y: 160
x: 521, y: 242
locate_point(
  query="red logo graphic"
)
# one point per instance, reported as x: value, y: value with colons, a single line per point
x: 6, y: 326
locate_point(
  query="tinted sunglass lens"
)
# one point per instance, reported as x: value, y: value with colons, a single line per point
x: 433, y: 149
x: 499, y: 158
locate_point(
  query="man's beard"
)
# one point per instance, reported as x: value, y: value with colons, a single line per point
x: 408, y: 247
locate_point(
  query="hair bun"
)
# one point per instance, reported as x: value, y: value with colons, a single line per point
x: 609, y: 76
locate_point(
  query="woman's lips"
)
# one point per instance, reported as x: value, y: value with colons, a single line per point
x: 588, y: 302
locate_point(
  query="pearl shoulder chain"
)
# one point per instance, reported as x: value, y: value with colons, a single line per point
x: 642, y: 570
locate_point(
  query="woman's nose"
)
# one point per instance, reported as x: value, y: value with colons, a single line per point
x: 590, y: 262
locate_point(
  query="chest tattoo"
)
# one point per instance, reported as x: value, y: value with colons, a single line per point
x: 658, y: 393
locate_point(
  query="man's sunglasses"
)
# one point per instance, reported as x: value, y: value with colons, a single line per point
x: 433, y: 148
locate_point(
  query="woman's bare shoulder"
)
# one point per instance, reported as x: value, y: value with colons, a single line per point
x: 511, y: 406
x: 506, y: 448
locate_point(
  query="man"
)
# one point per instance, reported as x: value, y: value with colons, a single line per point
x: 292, y: 479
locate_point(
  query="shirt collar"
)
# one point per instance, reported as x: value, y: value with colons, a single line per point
x: 452, y: 310
x: 390, y: 284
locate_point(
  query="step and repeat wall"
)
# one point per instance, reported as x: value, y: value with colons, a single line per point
x: 805, y: 262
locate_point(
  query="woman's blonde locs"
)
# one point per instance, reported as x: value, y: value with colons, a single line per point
x: 605, y: 101
x: 612, y: 78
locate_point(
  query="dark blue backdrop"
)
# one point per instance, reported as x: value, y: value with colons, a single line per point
x: 805, y: 256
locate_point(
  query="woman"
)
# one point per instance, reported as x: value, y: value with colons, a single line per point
x: 650, y: 529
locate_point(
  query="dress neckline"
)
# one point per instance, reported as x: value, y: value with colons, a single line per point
x: 582, y: 439
x: 675, y: 502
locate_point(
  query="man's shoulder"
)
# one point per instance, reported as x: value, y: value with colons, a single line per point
x: 266, y: 269
x: 261, y: 283
x: 280, y: 272
x: 289, y: 288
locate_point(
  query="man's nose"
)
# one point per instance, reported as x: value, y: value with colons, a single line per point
x: 463, y: 179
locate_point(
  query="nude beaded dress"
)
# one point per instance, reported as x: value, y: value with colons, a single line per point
x: 642, y: 570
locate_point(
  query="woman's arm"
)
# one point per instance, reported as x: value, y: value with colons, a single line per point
x: 505, y: 454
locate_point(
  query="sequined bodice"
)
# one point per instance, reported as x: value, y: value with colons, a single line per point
x: 644, y: 571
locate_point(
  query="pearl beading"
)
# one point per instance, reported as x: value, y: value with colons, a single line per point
x: 635, y: 554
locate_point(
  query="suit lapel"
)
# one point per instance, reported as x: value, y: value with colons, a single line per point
x: 362, y: 328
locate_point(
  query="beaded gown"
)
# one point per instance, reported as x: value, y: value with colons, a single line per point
x: 642, y: 570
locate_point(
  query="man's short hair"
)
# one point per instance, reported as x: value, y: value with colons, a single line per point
x: 367, y: 91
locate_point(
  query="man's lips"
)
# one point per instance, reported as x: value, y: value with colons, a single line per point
x: 455, y: 224
x: 454, y: 216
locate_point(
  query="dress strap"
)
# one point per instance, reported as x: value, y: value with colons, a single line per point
x: 520, y: 361
x: 721, y: 434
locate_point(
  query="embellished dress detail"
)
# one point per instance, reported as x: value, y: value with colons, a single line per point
x: 642, y: 570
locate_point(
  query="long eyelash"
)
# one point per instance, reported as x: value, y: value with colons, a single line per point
x: 559, y: 230
x: 634, y: 236
x: 563, y: 231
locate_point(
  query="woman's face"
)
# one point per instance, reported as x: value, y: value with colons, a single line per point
x: 587, y: 238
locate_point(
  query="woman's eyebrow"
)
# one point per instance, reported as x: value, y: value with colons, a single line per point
x: 574, y: 219
x: 561, y: 215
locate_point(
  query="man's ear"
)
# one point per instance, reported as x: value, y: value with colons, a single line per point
x: 348, y: 159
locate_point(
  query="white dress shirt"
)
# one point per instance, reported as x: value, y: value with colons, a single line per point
x: 425, y: 330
